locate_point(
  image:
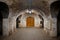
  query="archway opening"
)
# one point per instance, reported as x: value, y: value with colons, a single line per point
x: 35, y: 14
x: 55, y: 12
x: 4, y: 11
x: 41, y: 22
x: 18, y: 21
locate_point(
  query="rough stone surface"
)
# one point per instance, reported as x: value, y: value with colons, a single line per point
x: 29, y: 34
x: 5, y: 27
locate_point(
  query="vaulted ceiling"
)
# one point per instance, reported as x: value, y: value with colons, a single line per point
x: 30, y: 4
x: 18, y: 5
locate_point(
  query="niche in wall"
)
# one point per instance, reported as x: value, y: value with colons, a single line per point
x: 18, y: 21
x: 41, y: 22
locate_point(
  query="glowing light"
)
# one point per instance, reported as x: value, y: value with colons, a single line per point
x: 29, y: 11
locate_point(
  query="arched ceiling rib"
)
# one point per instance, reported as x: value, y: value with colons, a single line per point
x: 41, y: 13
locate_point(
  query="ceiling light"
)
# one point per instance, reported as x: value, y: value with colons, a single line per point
x: 29, y: 11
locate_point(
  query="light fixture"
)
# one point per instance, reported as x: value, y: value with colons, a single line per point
x: 29, y: 11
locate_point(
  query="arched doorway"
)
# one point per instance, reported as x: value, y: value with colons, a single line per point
x: 55, y: 12
x: 42, y: 21
x: 4, y: 12
x: 18, y: 21
x: 30, y: 22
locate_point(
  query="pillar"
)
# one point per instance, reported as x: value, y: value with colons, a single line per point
x: 53, y: 31
x: 5, y: 27
x: 46, y: 25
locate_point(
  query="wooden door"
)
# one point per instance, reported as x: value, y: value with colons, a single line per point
x: 30, y: 22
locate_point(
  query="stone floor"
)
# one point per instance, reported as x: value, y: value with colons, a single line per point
x: 29, y: 34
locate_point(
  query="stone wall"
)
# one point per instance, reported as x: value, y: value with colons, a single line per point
x: 53, y: 31
x: 5, y: 27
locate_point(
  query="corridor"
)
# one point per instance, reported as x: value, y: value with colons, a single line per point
x: 29, y: 34
x: 29, y: 20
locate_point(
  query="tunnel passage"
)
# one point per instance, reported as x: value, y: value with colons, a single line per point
x: 25, y: 22
x: 55, y: 12
x: 4, y: 11
x: 54, y: 8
